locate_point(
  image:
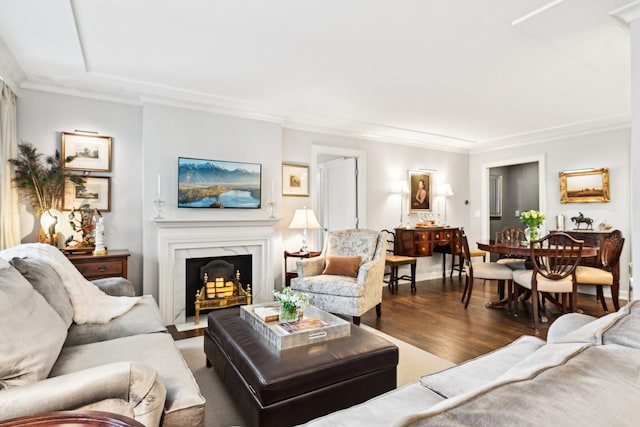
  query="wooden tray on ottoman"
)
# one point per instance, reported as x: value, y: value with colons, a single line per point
x: 289, y: 387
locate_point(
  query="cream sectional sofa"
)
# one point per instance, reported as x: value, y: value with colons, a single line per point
x: 129, y: 365
x: 586, y: 374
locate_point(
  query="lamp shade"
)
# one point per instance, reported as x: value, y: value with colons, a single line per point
x: 304, y: 218
x: 445, y: 190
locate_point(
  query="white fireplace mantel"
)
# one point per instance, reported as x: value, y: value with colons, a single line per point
x: 181, y: 239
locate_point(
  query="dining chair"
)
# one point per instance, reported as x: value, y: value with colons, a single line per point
x: 607, y: 271
x: 481, y: 270
x: 511, y: 236
x: 456, y: 253
x: 554, y: 259
x: 394, y: 262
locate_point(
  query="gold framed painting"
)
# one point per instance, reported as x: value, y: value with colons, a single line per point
x: 585, y: 186
x: 95, y: 193
x: 88, y: 152
x: 295, y: 180
x: 420, y: 194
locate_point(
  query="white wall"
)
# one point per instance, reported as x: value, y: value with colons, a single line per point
x: 609, y: 149
x: 169, y: 133
x: 43, y: 116
x: 386, y: 164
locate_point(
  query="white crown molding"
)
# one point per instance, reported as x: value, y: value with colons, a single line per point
x: 572, y: 130
x: 81, y: 93
x: 628, y: 13
x: 328, y: 125
x: 370, y: 136
x: 227, y: 110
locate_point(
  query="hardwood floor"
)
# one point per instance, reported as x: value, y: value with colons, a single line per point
x: 435, y: 320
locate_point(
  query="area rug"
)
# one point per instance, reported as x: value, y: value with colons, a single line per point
x: 221, y: 411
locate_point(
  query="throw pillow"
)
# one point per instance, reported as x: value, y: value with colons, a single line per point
x: 32, y: 333
x: 342, y: 266
x: 46, y: 281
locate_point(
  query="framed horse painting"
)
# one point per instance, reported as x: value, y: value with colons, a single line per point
x: 584, y: 186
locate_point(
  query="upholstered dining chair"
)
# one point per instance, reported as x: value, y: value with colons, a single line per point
x: 511, y: 236
x: 394, y: 262
x: 347, y: 277
x: 607, y: 271
x: 554, y: 259
x: 481, y: 270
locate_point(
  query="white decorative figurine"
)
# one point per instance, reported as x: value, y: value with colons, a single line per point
x: 100, y: 248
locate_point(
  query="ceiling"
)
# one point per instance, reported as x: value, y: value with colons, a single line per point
x: 461, y: 75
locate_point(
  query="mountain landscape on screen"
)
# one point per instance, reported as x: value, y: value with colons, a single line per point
x: 218, y: 184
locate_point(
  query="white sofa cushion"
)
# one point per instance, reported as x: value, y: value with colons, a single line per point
x: 45, y: 280
x: 621, y: 327
x: 567, y: 384
x: 31, y: 335
x: 477, y: 372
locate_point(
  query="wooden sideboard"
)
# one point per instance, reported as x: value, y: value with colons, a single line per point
x: 426, y: 241
x: 591, y: 238
x: 113, y: 264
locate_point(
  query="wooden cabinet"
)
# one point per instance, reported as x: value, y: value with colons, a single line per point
x: 424, y: 242
x: 591, y: 238
x: 113, y: 264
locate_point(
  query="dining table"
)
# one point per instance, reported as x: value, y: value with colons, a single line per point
x: 516, y: 249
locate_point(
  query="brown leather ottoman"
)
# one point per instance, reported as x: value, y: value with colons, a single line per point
x: 289, y: 387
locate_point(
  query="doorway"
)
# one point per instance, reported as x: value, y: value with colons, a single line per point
x: 522, y: 180
x: 338, y: 190
x: 514, y: 189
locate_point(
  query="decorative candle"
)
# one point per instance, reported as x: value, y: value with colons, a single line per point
x: 272, y: 186
x: 158, y: 184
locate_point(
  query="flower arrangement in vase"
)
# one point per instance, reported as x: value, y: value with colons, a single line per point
x: 533, y: 220
x: 290, y: 304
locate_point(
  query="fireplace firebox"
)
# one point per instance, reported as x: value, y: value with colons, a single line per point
x: 223, y: 281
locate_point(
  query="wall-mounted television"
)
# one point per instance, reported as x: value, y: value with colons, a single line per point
x: 218, y: 184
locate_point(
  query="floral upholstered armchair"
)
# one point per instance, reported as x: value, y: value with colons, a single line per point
x: 346, y: 278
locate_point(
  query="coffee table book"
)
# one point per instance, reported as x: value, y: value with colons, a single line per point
x: 334, y: 327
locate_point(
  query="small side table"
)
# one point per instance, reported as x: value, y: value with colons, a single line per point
x: 92, y: 267
x: 288, y: 275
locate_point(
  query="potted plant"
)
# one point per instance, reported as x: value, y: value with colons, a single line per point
x: 42, y: 183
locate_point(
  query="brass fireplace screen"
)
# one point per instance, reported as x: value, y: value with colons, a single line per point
x: 221, y: 288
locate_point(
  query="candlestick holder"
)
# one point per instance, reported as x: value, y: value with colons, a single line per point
x: 158, y: 207
x: 272, y: 206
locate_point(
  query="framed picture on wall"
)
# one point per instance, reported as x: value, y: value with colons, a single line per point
x: 95, y: 193
x: 89, y: 152
x: 295, y: 180
x: 420, y: 194
x: 584, y: 186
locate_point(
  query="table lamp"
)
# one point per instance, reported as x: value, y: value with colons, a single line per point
x: 50, y: 220
x: 445, y: 191
x: 304, y: 218
x: 403, y: 191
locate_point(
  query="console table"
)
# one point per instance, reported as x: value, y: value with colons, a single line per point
x: 418, y: 242
x: 113, y: 264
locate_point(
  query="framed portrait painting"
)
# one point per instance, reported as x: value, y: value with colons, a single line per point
x: 95, y: 193
x: 89, y: 152
x: 420, y: 194
x: 584, y: 186
x: 295, y: 180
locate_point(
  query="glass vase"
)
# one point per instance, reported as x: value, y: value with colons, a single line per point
x: 288, y: 313
x: 532, y: 233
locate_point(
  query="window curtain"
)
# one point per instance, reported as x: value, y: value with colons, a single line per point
x: 9, y: 215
